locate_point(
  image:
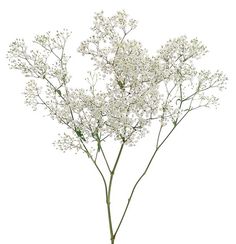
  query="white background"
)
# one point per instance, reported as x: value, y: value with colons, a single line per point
x: 188, y: 196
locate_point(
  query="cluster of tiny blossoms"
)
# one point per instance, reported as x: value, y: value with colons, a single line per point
x: 138, y: 88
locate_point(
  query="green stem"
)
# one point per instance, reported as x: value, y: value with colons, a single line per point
x: 145, y: 171
x: 104, y: 156
x: 108, y: 200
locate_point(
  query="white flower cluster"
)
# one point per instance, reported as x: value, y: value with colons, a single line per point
x: 175, y: 59
x: 49, y: 60
x: 184, y: 88
x: 108, y: 34
x: 68, y: 142
x: 47, y: 64
x: 138, y: 88
x: 31, y: 94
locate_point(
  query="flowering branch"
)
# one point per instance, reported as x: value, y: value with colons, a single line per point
x: 128, y: 91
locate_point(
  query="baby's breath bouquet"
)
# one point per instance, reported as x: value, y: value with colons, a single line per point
x: 127, y: 91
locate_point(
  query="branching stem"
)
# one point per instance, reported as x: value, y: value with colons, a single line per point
x: 145, y: 171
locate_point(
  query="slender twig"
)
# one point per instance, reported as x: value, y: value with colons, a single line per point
x: 104, y: 156
x: 95, y: 163
x: 159, y: 134
x: 145, y: 171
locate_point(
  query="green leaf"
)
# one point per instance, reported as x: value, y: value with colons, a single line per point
x: 58, y: 91
x: 121, y: 84
x: 79, y: 134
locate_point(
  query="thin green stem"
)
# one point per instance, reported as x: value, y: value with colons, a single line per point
x: 159, y: 134
x: 112, y: 236
x: 95, y: 163
x: 104, y: 156
x: 145, y: 171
